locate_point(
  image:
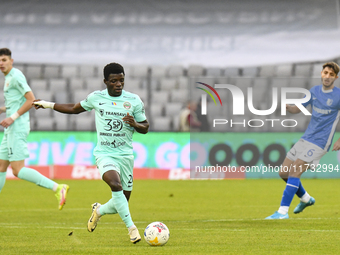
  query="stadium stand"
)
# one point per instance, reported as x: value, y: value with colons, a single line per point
x: 213, y: 72
x: 34, y: 72
x: 302, y: 70
x: 69, y: 71
x: 165, y: 90
x: 76, y: 84
x: 51, y: 72
x: 38, y: 84
x: 87, y: 71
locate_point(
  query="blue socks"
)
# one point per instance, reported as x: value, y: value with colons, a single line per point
x: 301, y: 191
x: 31, y: 175
x: 2, y: 180
x: 290, y: 190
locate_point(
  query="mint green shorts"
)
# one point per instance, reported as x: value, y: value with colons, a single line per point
x: 122, y: 165
x: 14, y: 147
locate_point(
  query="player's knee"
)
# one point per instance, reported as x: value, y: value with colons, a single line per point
x: 15, y: 172
x: 283, y: 175
x: 115, y: 186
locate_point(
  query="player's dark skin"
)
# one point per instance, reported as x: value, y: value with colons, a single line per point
x: 115, y: 85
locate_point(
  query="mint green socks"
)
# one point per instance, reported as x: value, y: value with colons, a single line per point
x: 122, y: 206
x: 117, y: 204
x: 2, y: 180
x: 107, y: 208
x: 34, y: 176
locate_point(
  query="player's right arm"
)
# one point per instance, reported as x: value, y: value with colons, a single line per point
x: 63, y: 108
x: 292, y: 109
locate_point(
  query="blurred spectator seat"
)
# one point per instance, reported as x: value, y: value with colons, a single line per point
x: 267, y: 71
x: 175, y: 71
x: 303, y: 70
x: 168, y: 84
x: 179, y: 96
x: 159, y: 97
x: 58, y: 85
x: 161, y: 124
x: 158, y: 71
x: 232, y: 72
x: 36, y: 84
x: 284, y: 70
x: 173, y: 109
x: 195, y: 71
x: 76, y: 84
x: 249, y: 72
x: 156, y: 110
x: 51, y: 72
x: 86, y: 71
x: 69, y: 71
x: 33, y: 72
x: 213, y: 72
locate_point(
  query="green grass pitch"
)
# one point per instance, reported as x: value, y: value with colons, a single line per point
x: 204, y: 217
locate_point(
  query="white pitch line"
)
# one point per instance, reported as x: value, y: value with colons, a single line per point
x: 185, y: 229
x: 65, y: 225
x: 48, y: 210
x: 49, y: 227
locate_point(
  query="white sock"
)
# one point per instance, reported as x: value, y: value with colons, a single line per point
x: 97, y: 210
x: 133, y: 226
x: 283, y: 209
x: 305, y: 198
x: 55, y: 186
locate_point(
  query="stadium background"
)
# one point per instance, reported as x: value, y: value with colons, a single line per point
x: 165, y: 47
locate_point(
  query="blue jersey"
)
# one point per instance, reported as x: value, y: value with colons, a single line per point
x: 325, y: 116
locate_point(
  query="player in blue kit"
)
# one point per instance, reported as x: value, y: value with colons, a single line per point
x: 316, y: 141
x: 118, y: 114
x: 13, y: 148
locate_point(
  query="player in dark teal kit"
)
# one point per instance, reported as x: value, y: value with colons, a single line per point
x: 13, y: 148
x: 118, y: 114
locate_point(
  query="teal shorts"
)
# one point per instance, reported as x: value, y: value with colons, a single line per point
x: 14, y: 147
x: 122, y: 165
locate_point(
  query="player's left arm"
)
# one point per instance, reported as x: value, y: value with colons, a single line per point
x: 24, y: 108
x: 140, y: 127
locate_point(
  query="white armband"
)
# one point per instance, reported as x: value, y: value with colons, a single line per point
x: 14, y: 116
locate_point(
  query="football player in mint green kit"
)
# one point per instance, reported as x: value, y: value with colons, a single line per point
x: 13, y: 148
x: 118, y: 114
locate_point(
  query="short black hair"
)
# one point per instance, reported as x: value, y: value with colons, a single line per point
x: 113, y: 68
x: 6, y: 52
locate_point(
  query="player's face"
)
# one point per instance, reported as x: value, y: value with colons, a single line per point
x: 115, y: 84
x: 6, y: 64
x: 328, y: 77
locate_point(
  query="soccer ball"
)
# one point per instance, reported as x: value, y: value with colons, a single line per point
x: 156, y: 234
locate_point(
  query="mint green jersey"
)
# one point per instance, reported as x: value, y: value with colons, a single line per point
x: 15, y: 89
x: 114, y: 137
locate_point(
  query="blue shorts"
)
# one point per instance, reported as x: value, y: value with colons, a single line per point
x: 122, y: 165
x: 14, y: 147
